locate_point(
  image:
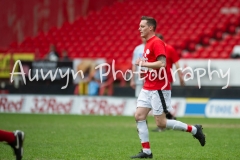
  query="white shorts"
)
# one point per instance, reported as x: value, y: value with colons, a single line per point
x: 151, y: 99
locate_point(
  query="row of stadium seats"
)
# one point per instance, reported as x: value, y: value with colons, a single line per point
x: 113, y: 31
x: 217, y: 49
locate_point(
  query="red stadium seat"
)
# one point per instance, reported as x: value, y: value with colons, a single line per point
x: 214, y: 54
x: 113, y: 31
x: 205, y: 41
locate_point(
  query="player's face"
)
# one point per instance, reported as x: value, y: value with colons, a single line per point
x: 143, y: 28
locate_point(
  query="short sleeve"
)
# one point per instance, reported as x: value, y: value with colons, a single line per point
x: 159, y: 48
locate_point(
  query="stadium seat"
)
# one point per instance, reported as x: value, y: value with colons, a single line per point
x: 113, y: 31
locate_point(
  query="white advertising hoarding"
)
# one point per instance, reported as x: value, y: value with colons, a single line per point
x: 209, y: 72
x: 179, y: 106
x: 49, y: 104
x: 83, y: 105
x: 218, y: 108
x: 12, y: 104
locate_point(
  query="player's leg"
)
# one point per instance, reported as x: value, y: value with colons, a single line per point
x: 15, y: 140
x: 196, y: 130
x: 142, y: 128
x: 168, y: 116
x: 162, y: 122
x: 7, y: 136
x: 164, y: 98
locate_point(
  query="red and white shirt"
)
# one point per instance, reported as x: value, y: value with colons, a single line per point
x: 153, y: 49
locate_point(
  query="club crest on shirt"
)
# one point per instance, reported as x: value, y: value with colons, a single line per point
x: 147, y: 52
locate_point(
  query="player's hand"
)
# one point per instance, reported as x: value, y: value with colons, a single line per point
x: 182, y: 83
x: 140, y: 62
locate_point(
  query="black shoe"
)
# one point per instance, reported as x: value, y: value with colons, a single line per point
x: 199, y: 135
x: 17, y: 146
x: 158, y: 130
x: 142, y: 155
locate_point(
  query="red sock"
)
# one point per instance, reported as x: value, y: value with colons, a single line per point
x: 189, y: 128
x: 146, y: 145
x: 6, y: 136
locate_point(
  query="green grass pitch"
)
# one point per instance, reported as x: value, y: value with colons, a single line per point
x: 76, y: 137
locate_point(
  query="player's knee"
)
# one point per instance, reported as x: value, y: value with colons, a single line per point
x: 161, y: 124
x: 139, y: 117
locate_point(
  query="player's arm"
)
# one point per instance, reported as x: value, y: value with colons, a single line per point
x: 182, y: 83
x: 161, y: 62
x: 159, y: 50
